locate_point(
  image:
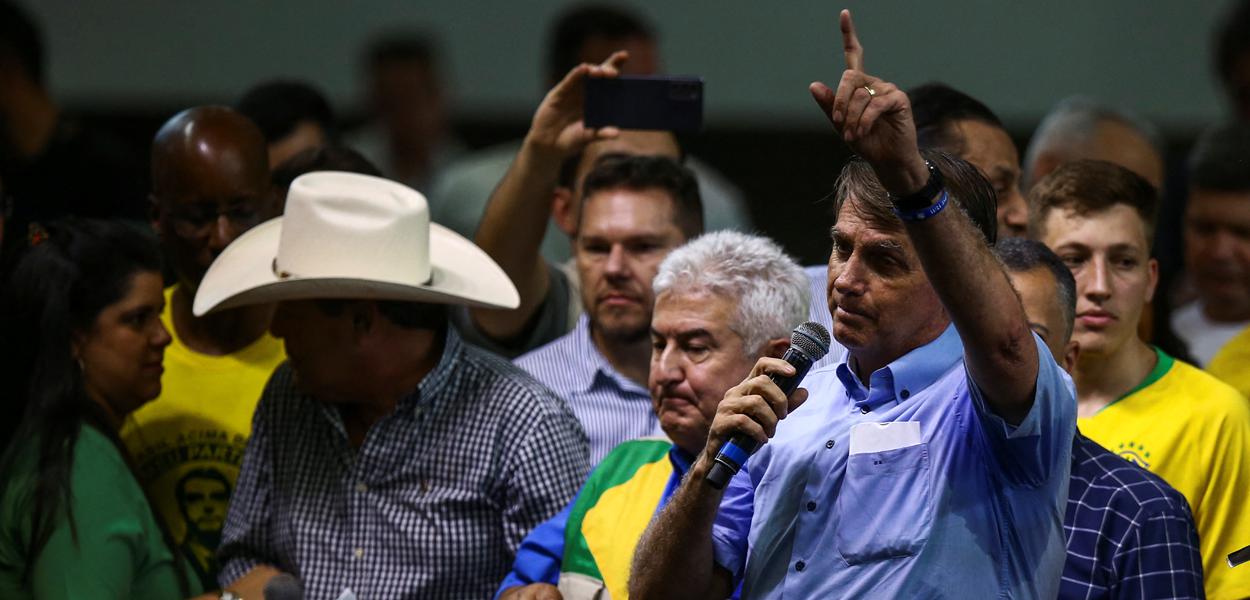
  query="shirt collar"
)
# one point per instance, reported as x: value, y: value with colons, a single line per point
x: 591, y: 367
x: 906, y: 376
x: 432, y: 385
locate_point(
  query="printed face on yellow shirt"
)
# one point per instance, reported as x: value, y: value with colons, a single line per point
x: 1109, y: 256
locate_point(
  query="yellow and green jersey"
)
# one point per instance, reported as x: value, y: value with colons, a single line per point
x: 612, y: 510
x: 1193, y: 431
x: 1232, y: 363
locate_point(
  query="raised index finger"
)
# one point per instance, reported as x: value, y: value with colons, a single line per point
x: 850, y: 43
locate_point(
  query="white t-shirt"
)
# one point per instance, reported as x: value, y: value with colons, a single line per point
x: 1203, y: 336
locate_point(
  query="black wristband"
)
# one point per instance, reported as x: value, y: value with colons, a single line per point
x: 922, y: 198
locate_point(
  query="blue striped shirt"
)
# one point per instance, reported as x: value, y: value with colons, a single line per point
x: 611, y: 407
x: 1129, y: 533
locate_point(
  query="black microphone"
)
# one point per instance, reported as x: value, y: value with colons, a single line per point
x: 808, y: 344
x: 283, y: 587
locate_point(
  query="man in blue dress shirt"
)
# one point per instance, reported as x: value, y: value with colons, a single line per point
x: 933, y: 461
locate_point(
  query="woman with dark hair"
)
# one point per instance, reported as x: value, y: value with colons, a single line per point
x: 81, y: 344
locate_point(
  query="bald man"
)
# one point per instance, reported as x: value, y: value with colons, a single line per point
x: 210, y: 183
x: 1079, y: 128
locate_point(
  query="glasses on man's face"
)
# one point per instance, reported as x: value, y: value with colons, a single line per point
x: 198, y: 219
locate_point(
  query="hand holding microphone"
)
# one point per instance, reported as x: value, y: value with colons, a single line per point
x: 749, y: 413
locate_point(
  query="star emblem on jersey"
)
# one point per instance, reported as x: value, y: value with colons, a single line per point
x: 1134, y: 453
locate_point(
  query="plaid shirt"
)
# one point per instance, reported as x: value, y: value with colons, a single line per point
x: 432, y: 505
x: 1130, y: 534
x: 612, y: 408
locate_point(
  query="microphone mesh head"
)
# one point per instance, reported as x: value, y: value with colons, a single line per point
x: 812, y: 339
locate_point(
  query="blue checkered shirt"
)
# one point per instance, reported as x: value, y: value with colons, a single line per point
x: 1129, y: 533
x: 432, y: 505
x: 611, y: 407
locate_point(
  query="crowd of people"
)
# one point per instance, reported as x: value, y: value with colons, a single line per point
x: 372, y: 364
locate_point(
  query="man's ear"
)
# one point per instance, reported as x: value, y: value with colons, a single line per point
x: 1071, y: 353
x: 776, y: 347
x: 1153, y: 266
x: 563, y: 210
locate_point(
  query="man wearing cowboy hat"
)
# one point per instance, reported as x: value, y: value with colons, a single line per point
x: 387, y: 458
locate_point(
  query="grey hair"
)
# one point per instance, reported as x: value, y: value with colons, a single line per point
x: 771, y: 290
x: 1073, y: 123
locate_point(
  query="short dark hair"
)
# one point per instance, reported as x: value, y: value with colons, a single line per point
x: 966, y: 185
x: 326, y: 158
x: 581, y: 22
x: 637, y: 172
x: 1232, y: 39
x: 21, y: 40
x: 1022, y: 255
x: 1220, y: 160
x: 1092, y: 186
x: 936, y: 107
x: 278, y: 107
x: 402, y: 47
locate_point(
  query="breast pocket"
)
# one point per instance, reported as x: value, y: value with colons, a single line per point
x: 886, y: 505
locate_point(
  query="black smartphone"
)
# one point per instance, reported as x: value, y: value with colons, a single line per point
x: 672, y: 103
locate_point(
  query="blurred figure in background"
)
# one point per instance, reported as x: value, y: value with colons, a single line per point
x: 210, y: 176
x: 85, y: 301
x: 1080, y: 128
x: 325, y: 158
x: 53, y: 166
x: 583, y: 33
x: 1217, y: 242
x: 292, y: 115
x: 1232, y: 57
x: 408, y: 132
x: 958, y: 124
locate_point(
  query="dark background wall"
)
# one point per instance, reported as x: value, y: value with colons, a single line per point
x: 129, y: 64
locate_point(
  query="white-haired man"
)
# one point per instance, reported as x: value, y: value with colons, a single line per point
x: 387, y: 457
x: 722, y: 301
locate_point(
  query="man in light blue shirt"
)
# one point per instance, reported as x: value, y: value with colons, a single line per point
x: 933, y: 461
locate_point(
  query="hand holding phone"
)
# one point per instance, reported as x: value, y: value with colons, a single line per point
x: 668, y: 103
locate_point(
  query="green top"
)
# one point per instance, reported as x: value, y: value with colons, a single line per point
x: 1161, y: 368
x: 119, y: 552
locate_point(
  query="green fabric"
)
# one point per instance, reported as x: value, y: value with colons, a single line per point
x: 617, y: 468
x: 119, y: 552
x: 1162, y: 366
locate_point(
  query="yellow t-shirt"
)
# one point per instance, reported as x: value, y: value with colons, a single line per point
x: 1232, y: 363
x: 1193, y: 431
x: 187, y: 445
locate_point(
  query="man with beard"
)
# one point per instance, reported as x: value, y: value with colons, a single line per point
x: 635, y: 210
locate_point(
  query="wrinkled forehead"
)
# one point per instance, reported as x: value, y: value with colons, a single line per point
x: 686, y: 312
x: 864, y: 222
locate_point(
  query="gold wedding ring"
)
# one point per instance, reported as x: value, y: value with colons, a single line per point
x: 871, y: 92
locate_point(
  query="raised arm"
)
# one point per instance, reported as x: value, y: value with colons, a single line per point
x: 516, y: 216
x: 874, y: 117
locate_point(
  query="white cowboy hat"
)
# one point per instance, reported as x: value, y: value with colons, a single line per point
x: 351, y: 236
